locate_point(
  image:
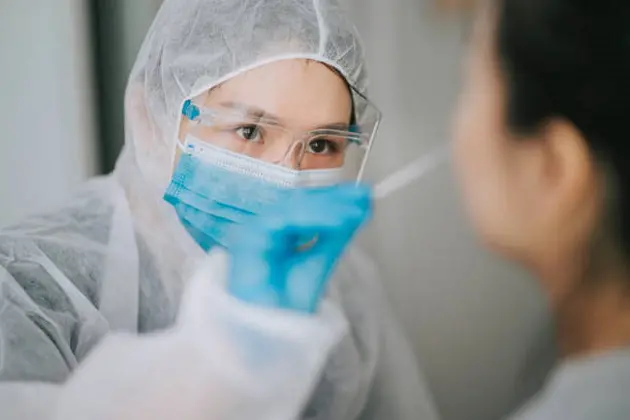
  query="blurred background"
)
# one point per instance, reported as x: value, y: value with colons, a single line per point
x: 478, y: 326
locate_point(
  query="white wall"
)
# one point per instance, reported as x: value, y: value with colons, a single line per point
x: 46, y: 122
x: 476, y: 323
x: 137, y: 16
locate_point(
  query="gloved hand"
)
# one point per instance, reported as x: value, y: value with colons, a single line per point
x: 284, y: 258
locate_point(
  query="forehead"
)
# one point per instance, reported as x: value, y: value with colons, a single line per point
x: 299, y: 92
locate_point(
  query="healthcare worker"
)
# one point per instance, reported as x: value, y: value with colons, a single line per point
x: 542, y: 158
x: 232, y: 108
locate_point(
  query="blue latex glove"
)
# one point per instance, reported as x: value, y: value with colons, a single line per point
x: 270, y: 263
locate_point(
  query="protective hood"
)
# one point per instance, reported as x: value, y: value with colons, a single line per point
x: 194, y: 45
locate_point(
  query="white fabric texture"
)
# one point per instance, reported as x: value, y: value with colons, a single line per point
x: 116, y: 257
x: 242, y: 368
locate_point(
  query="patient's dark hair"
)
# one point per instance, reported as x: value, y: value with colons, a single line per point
x: 570, y: 59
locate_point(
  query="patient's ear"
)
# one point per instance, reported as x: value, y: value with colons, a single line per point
x: 568, y: 174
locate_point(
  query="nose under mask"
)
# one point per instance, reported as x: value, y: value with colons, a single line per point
x: 214, y: 190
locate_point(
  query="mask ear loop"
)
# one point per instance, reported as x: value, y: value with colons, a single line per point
x: 192, y: 113
x: 181, y: 146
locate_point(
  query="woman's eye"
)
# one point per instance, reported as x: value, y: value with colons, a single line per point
x: 322, y: 147
x: 249, y: 133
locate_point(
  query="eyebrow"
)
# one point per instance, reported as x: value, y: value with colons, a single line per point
x: 336, y: 126
x: 251, y: 111
x: 260, y: 113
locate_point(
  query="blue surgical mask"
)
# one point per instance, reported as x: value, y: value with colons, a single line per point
x: 213, y: 190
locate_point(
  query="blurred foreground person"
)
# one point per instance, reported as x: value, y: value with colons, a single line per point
x: 543, y: 160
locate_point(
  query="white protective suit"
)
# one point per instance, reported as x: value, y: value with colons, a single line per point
x: 116, y: 258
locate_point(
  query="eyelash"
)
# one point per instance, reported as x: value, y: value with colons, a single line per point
x: 333, y: 147
x: 258, y: 131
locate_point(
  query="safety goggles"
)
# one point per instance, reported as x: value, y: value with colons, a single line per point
x: 251, y: 133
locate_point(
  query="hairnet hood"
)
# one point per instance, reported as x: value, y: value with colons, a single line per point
x: 194, y: 45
